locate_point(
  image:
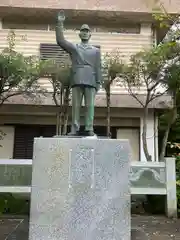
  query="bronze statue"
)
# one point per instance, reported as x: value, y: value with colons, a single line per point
x: 86, y: 74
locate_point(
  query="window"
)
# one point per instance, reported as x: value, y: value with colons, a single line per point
x: 117, y: 28
x: 23, y: 25
x: 24, y: 139
x: 53, y: 51
x: 73, y: 27
x: 127, y: 29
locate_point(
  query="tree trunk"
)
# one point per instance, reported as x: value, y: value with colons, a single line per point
x: 144, y: 135
x: 57, y: 123
x: 66, y: 116
x: 66, y: 108
x: 166, y: 134
x: 108, y: 103
x: 60, y: 124
x: 59, y: 115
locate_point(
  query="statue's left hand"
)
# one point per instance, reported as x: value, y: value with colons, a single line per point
x: 61, y: 16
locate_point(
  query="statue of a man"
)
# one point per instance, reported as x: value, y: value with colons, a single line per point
x: 86, y: 74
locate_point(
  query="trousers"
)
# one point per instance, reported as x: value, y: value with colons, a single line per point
x: 78, y: 93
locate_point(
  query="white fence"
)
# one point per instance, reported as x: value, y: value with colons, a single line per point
x: 146, y: 178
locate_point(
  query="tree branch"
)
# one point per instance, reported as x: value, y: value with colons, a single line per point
x: 154, y: 96
x: 135, y: 96
x: 2, y: 100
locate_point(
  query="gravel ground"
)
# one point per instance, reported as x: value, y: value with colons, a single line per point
x: 158, y: 227
x: 155, y: 228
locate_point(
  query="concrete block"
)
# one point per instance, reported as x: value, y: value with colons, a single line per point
x: 80, y: 189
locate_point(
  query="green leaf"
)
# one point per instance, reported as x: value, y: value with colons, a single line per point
x: 19, y: 74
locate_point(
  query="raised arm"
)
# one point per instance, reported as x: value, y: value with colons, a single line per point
x: 61, y: 41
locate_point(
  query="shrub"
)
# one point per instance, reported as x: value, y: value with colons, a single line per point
x: 178, y: 182
x: 9, y: 204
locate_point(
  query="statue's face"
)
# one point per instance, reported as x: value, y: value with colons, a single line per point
x: 85, y: 34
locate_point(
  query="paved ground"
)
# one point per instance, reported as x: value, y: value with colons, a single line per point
x: 156, y: 228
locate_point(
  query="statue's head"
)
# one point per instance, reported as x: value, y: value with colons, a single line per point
x: 85, y: 33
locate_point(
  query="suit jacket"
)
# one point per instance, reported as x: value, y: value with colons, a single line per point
x: 86, y: 63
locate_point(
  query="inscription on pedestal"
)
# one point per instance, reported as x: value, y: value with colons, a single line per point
x: 80, y: 190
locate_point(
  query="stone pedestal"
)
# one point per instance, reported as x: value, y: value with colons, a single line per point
x: 80, y: 189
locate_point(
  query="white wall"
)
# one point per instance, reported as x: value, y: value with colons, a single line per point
x: 7, y: 143
x: 28, y: 42
x: 132, y: 134
x: 136, y: 139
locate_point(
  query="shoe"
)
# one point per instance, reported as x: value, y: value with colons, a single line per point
x: 89, y: 133
x: 73, y: 134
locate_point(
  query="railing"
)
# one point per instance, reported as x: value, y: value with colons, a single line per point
x: 146, y: 178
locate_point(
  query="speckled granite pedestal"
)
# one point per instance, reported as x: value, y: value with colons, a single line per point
x: 80, y: 189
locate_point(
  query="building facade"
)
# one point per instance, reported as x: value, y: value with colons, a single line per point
x: 113, y: 29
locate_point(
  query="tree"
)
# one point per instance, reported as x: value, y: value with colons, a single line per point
x: 2, y: 135
x: 147, y: 69
x: 112, y: 65
x: 172, y: 23
x: 172, y: 77
x: 19, y: 74
x: 59, y: 77
x: 174, y: 134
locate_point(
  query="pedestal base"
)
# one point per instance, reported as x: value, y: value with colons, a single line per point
x: 80, y: 189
